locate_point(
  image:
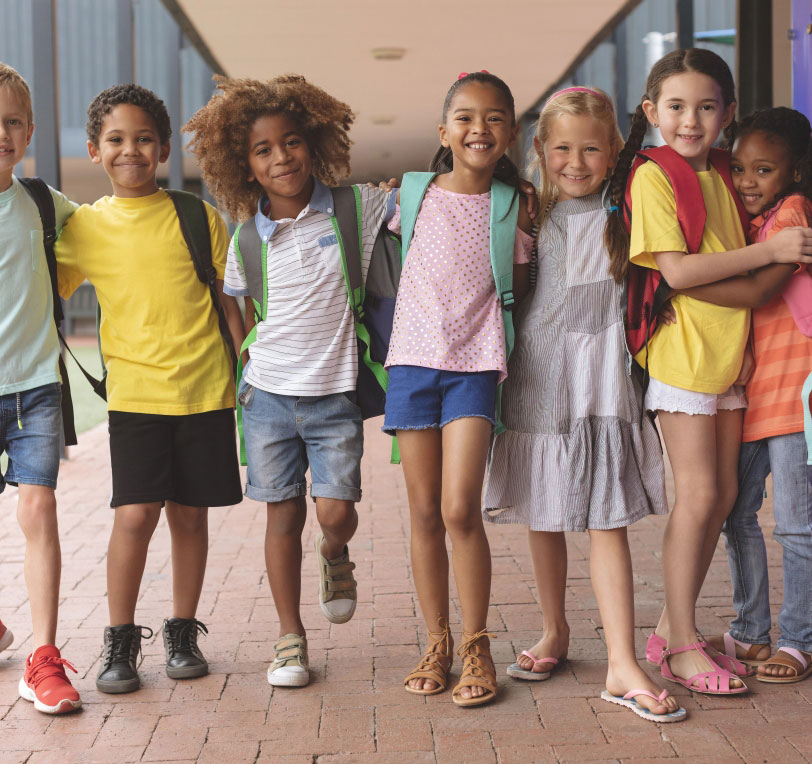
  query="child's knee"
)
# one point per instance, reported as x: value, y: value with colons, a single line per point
x: 36, y: 511
x: 335, y: 514
x: 461, y: 518
x: 136, y: 520
x: 187, y: 519
x: 287, y: 518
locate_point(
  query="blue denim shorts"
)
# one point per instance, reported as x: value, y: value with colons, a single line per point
x: 33, y: 451
x: 419, y: 398
x: 286, y: 434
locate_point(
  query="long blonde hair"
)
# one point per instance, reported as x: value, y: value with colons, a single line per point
x: 590, y: 101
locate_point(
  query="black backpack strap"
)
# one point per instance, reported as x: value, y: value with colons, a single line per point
x: 38, y: 190
x: 194, y: 225
x: 349, y: 225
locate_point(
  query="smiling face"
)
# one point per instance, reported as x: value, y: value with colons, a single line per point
x: 130, y: 150
x: 577, y: 155
x: 479, y: 127
x: 762, y: 170
x: 279, y: 160
x: 15, y: 133
x: 691, y: 113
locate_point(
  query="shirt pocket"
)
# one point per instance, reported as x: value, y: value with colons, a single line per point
x: 322, y: 256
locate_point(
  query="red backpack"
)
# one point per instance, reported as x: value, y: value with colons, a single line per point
x: 647, y: 290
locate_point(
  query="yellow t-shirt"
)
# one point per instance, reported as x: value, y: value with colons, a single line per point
x: 159, y: 332
x: 703, y: 350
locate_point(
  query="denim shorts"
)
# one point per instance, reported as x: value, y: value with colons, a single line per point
x: 286, y: 434
x: 419, y: 398
x: 33, y: 451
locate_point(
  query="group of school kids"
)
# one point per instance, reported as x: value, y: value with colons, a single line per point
x: 270, y: 152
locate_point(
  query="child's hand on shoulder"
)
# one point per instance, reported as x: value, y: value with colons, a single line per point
x: 792, y: 245
x: 386, y: 185
x: 531, y: 201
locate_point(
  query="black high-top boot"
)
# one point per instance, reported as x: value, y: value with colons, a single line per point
x: 122, y: 644
x: 183, y: 657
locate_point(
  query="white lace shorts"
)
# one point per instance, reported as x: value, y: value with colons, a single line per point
x: 663, y: 397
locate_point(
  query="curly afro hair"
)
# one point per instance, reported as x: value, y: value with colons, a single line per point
x: 221, y: 129
x: 132, y: 94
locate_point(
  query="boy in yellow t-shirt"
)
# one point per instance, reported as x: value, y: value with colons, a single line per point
x: 169, y: 387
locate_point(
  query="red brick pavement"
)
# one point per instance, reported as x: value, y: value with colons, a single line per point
x: 355, y: 710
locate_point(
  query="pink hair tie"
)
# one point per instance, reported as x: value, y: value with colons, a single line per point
x: 462, y: 75
x: 579, y: 90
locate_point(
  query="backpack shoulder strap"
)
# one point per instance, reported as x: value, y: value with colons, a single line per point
x: 691, y: 212
x: 251, y: 254
x: 347, y: 224
x: 194, y: 225
x: 38, y: 190
x: 504, y: 217
x: 627, y: 199
x: 720, y: 159
x: 412, y: 190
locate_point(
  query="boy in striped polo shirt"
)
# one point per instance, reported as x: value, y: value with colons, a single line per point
x: 269, y: 168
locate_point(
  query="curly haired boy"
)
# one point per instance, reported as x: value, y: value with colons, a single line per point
x: 169, y: 390
x: 268, y: 151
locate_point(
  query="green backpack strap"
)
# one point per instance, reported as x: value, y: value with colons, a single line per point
x: 252, y: 253
x: 412, y: 190
x: 347, y: 224
x: 504, y: 217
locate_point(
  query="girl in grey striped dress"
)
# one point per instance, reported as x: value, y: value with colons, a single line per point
x: 577, y: 454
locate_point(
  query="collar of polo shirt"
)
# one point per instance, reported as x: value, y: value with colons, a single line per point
x: 320, y: 201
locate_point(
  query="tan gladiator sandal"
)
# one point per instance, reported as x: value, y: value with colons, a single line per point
x: 477, y: 669
x: 436, y: 661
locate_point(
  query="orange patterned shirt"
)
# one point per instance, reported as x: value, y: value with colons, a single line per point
x: 783, y: 355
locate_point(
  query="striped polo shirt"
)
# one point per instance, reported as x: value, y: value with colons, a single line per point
x: 306, y: 345
x: 783, y: 355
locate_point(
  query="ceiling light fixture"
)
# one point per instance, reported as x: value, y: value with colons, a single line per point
x: 388, y: 54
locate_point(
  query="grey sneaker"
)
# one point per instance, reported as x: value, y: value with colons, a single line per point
x: 183, y: 657
x: 122, y: 644
x: 337, y: 587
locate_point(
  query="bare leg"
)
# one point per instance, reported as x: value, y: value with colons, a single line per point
x: 283, y: 561
x: 189, y: 529
x: 465, y: 451
x: 421, y: 456
x: 549, y: 553
x: 611, y: 567
x: 691, y: 443
x: 338, y: 520
x: 133, y: 527
x: 36, y: 513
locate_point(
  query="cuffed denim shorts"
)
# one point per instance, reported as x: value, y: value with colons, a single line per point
x: 286, y: 434
x: 419, y: 398
x: 31, y: 436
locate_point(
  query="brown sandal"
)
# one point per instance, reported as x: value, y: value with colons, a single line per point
x: 477, y: 669
x: 436, y: 661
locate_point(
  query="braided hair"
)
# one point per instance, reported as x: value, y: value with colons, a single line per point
x: 443, y: 159
x: 792, y: 129
x: 701, y: 60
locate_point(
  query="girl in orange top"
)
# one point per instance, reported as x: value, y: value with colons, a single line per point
x: 772, y: 171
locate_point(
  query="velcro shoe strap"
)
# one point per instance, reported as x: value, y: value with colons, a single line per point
x: 342, y: 585
x: 340, y: 569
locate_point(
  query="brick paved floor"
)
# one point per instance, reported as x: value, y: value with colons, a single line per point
x: 355, y: 709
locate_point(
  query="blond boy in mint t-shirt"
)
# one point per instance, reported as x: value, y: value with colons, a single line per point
x: 30, y: 413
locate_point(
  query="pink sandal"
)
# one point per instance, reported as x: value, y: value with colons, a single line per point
x: 517, y: 672
x: 726, y: 660
x: 713, y: 682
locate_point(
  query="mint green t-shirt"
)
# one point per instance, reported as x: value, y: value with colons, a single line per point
x: 29, y: 347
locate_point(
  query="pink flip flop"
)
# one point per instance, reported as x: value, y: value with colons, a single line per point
x: 713, y: 682
x: 628, y: 701
x: 517, y: 672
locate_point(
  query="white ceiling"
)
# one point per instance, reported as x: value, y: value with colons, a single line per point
x: 528, y: 43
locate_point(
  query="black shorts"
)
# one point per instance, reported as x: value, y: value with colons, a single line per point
x: 190, y: 459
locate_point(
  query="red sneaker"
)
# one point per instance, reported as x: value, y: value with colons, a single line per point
x: 6, y: 637
x: 45, y: 683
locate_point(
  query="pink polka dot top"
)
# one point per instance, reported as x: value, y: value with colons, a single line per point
x: 447, y: 314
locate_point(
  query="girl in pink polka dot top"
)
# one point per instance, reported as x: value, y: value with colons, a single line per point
x: 446, y: 358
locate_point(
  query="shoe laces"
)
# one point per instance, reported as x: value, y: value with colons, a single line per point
x: 46, y: 667
x: 469, y: 651
x: 120, y: 644
x: 183, y: 636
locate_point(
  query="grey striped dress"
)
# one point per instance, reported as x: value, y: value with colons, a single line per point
x: 575, y: 455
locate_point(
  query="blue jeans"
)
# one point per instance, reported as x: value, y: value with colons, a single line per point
x: 785, y: 456
x: 30, y: 434
x: 286, y: 434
